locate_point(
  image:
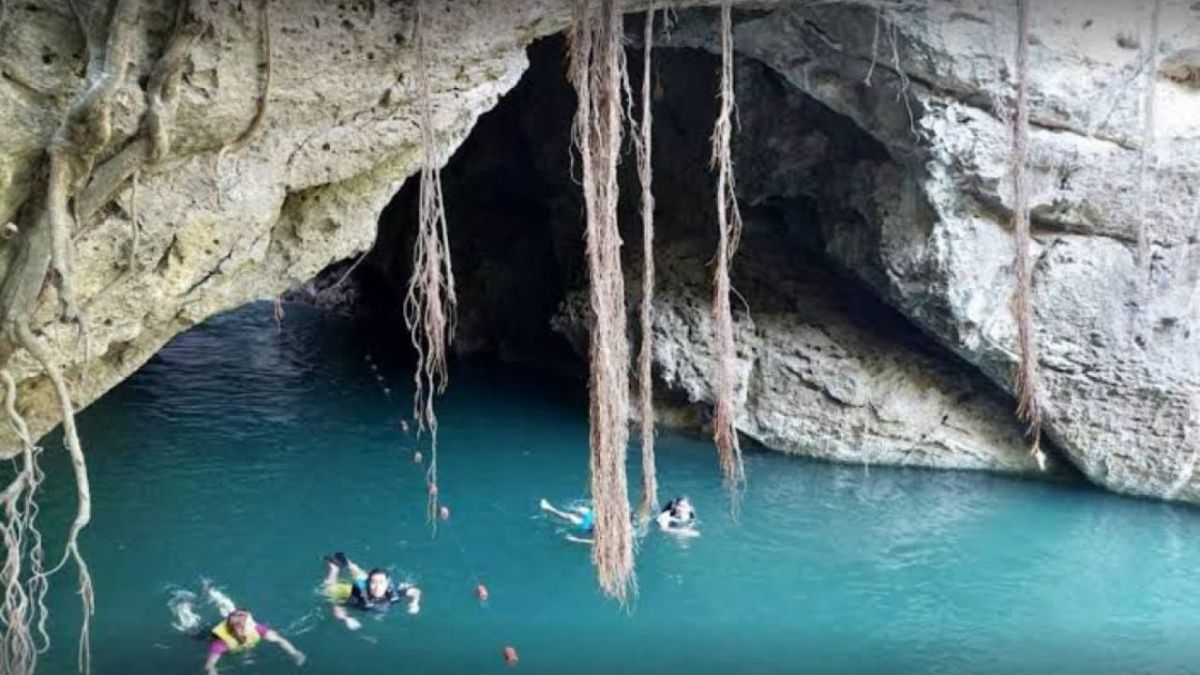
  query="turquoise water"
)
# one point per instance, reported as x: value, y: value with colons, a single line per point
x: 242, y: 455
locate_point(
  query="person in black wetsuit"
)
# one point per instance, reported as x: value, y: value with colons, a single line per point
x: 678, y: 516
x: 366, y: 591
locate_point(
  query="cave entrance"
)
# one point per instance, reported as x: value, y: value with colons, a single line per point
x: 827, y: 369
x: 515, y: 212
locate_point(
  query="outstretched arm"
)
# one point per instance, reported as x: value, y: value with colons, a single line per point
x: 210, y: 666
x: 340, y: 613
x: 278, y: 639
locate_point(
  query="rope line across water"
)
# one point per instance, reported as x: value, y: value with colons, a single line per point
x: 447, y: 523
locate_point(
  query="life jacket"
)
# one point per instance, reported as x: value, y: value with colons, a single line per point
x: 224, y: 634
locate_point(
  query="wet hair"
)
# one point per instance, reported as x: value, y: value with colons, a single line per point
x: 245, y: 614
x: 377, y: 570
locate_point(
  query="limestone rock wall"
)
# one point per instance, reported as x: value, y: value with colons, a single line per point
x: 1119, y: 345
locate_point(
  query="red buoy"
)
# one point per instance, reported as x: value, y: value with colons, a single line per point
x: 481, y: 592
x: 444, y: 512
x: 510, y: 656
x: 417, y: 458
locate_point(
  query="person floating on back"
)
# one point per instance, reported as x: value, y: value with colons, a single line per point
x: 239, y: 632
x: 581, y: 516
x: 366, y: 591
x: 678, y: 517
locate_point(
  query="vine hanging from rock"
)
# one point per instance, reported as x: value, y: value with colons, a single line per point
x: 642, y: 148
x: 429, y: 306
x: 729, y: 229
x: 23, y: 610
x: 1029, y: 407
x: 596, y: 64
x: 42, y: 249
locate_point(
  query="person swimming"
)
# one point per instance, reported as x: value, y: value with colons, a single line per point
x: 678, y: 517
x: 366, y: 591
x: 581, y: 516
x: 236, y: 632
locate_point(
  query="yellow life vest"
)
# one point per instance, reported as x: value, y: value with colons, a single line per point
x: 222, y: 633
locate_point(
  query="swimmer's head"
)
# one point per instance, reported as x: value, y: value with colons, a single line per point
x: 378, y: 583
x: 239, y: 621
x: 683, y: 507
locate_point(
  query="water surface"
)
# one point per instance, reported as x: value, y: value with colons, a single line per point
x: 242, y: 455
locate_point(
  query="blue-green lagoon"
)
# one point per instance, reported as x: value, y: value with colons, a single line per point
x: 242, y: 455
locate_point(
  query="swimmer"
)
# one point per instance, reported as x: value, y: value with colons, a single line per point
x: 368, y: 591
x: 582, y: 516
x: 237, y: 632
x: 678, y: 517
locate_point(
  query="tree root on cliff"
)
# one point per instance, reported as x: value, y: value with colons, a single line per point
x: 262, y: 106
x: 44, y: 250
x: 135, y: 233
x: 83, y: 514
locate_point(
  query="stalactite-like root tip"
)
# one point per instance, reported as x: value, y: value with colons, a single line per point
x: 1039, y: 456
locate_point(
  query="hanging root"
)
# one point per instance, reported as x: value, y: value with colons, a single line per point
x: 83, y: 514
x: 85, y: 130
x: 74, y: 190
x: 729, y: 231
x: 153, y: 143
x: 45, y: 247
x: 429, y: 305
x: 1147, y: 158
x: 642, y: 148
x: 1029, y: 407
x: 595, y: 69
x: 24, y: 607
x: 162, y: 95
